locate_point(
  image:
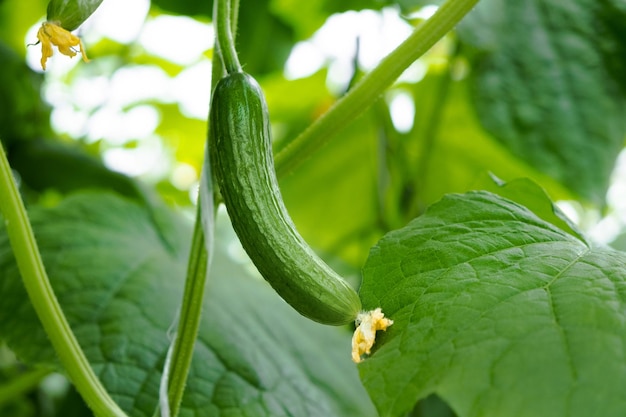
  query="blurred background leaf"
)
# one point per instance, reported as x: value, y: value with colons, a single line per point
x: 545, y: 85
x: 15, y: 18
x: 23, y: 114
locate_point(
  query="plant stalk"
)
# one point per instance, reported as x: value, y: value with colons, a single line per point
x: 44, y: 301
x: 190, y: 314
x: 224, y: 32
x: 200, y: 255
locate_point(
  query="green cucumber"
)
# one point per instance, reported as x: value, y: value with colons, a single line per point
x: 241, y: 154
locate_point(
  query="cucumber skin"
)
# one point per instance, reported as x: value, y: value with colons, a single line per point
x: 241, y: 154
x: 70, y: 14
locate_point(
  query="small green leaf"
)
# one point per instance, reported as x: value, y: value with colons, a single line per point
x: 497, y: 312
x: 70, y: 14
x: 548, y: 83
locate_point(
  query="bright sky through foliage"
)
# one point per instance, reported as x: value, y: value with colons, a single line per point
x: 98, y: 107
x: 336, y: 43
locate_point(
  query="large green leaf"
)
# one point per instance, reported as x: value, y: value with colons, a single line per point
x: 549, y: 84
x: 119, y: 280
x: 497, y: 312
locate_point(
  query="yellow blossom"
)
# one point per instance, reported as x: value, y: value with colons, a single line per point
x: 52, y: 34
x: 368, y: 323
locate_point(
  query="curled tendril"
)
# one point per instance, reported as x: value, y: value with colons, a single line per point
x: 52, y: 34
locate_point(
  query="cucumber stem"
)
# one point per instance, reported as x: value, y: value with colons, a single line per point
x: 44, y: 301
x: 190, y: 314
x: 200, y: 256
x: 371, y: 86
x: 225, y: 39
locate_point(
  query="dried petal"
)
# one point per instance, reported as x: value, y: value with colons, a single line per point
x: 46, y: 46
x: 368, y: 323
x: 52, y: 34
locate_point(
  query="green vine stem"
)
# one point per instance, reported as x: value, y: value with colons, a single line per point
x: 200, y: 254
x: 190, y: 314
x: 45, y: 302
x: 224, y: 35
x: 372, y: 85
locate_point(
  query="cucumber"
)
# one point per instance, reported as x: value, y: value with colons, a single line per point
x: 241, y: 154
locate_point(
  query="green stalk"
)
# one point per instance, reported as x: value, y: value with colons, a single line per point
x: 225, y: 38
x: 45, y: 302
x: 200, y: 256
x: 372, y: 85
x: 190, y: 314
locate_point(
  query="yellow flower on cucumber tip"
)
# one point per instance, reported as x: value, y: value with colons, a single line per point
x: 52, y: 34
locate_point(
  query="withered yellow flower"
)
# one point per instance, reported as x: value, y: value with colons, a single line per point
x: 368, y: 323
x: 52, y: 34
